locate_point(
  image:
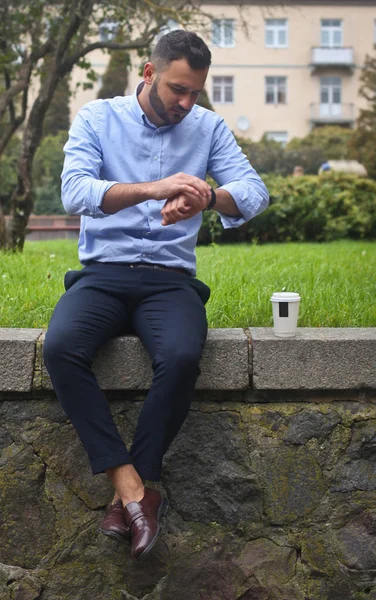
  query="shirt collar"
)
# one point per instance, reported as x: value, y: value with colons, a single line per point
x: 135, y: 105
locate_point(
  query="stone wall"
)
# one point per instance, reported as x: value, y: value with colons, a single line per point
x: 272, y: 481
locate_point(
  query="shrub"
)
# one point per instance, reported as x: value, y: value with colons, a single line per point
x: 308, y: 208
x: 47, y: 168
x: 310, y: 152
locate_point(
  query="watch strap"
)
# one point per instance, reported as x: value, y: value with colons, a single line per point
x: 213, y: 200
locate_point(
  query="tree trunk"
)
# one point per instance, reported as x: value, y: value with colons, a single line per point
x: 3, y: 232
x: 22, y: 199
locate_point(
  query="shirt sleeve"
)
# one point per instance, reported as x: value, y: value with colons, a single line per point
x: 230, y: 168
x: 82, y: 189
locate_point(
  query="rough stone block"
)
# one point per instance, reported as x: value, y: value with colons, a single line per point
x: 124, y: 364
x: 17, y: 357
x: 225, y: 363
x: 315, y: 359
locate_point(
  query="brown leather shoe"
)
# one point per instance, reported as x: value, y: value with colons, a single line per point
x: 114, y: 525
x: 143, y: 519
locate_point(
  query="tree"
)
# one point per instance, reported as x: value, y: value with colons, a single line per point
x: 363, y: 143
x: 57, y: 116
x: 204, y: 100
x: 115, y: 79
x: 47, y: 167
x: 46, y: 40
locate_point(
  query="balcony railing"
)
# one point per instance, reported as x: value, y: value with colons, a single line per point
x: 340, y: 114
x: 332, y: 57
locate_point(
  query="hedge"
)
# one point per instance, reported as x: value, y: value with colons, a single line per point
x: 307, y: 208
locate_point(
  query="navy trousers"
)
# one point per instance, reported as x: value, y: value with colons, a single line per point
x: 166, y: 310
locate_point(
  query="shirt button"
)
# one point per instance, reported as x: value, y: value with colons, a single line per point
x: 155, y: 157
x: 151, y: 218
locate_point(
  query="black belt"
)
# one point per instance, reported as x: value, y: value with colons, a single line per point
x: 157, y: 267
x: 142, y: 265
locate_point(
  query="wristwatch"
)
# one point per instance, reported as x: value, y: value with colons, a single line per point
x: 213, y: 200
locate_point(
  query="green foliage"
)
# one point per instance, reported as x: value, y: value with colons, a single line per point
x: 204, y: 101
x: 49, y: 158
x: 363, y: 143
x: 363, y: 149
x: 47, y: 168
x: 57, y: 116
x: 266, y: 156
x: 47, y: 198
x: 115, y: 79
x: 308, y: 208
x: 332, y: 140
x: 320, y: 145
x: 8, y: 172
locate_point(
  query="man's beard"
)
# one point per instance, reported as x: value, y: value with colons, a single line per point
x: 160, y: 109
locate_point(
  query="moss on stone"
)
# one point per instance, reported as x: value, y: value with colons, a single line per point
x: 317, y: 554
x: 294, y: 483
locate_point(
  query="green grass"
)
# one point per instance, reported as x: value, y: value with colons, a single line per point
x: 336, y: 282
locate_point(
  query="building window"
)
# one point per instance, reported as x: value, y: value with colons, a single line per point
x: 330, y: 90
x: 277, y: 136
x: 276, y: 33
x: 275, y: 90
x: 108, y: 30
x: 331, y: 33
x: 223, y: 90
x: 223, y: 33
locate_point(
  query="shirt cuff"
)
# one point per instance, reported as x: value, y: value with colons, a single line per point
x: 97, y: 191
x: 250, y: 202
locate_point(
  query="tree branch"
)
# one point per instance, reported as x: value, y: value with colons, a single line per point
x: 70, y: 61
x: 23, y: 78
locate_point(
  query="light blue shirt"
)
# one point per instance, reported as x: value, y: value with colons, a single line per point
x: 112, y: 141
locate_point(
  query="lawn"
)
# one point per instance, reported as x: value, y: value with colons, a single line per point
x: 336, y: 282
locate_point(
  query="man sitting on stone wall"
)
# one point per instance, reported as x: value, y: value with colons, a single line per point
x: 135, y: 171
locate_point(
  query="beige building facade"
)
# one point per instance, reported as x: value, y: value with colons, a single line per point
x: 292, y: 67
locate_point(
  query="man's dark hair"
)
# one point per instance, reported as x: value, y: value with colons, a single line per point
x: 180, y: 44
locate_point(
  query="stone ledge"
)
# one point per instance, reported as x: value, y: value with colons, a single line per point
x: 316, y: 359
x: 123, y: 363
x: 17, y: 359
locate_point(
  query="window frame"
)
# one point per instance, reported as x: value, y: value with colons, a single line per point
x: 276, y: 89
x: 222, y: 89
x: 332, y: 85
x: 275, y: 31
x: 331, y: 30
x: 222, y: 43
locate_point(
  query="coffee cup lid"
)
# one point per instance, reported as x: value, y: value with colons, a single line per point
x: 285, y: 297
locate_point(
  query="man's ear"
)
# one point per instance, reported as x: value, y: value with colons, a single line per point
x: 149, y: 73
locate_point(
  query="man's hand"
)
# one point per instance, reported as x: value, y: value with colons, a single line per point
x: 181, y: 183
x: 182, y: 207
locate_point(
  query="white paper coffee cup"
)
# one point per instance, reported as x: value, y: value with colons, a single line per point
x: 285, y: 313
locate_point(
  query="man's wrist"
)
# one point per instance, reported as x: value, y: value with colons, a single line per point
x: 213, y: 200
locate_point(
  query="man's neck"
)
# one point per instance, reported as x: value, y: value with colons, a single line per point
x: 143, y: 99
